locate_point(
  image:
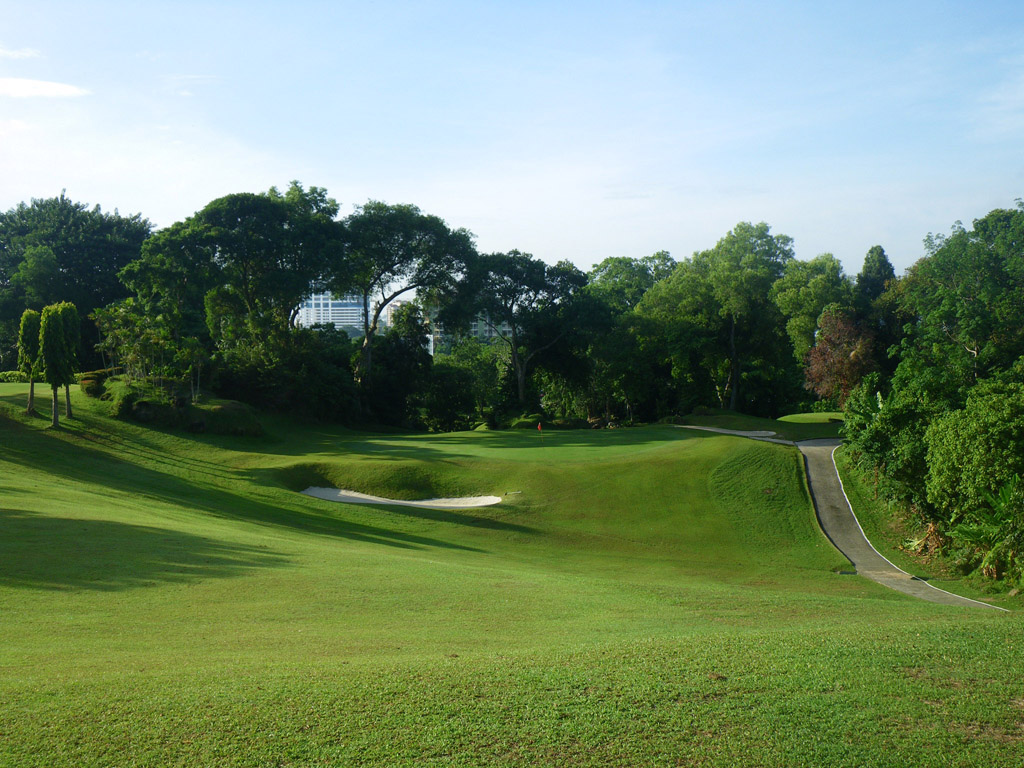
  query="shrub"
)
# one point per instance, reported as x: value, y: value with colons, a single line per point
x: 13, y: 377
x: 100, y: 375
x: 447, y: 402
x: 570, y: 424
x: 92, y: 387
x: 975, y: 462
x: 529, y: 421
x: 226, y: 417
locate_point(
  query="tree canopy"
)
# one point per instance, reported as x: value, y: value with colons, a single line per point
x: 527, y: 304
x: 394, y: 250
x: 54, y: 250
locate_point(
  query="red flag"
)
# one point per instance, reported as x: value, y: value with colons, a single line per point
x: 538, y: 427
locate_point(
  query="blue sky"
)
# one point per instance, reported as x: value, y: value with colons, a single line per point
x: 567, y: 129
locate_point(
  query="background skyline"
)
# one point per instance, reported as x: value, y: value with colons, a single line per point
x: 568, y: 130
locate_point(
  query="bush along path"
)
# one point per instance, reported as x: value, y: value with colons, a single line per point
x: 839, y: 523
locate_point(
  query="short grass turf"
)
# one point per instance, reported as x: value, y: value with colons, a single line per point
x: 641, y: 597
x: 800, y: 426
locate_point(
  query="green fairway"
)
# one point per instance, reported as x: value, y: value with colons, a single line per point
x: 644, y: 596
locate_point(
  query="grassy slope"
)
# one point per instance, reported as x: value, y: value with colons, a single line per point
x: 648, y: 596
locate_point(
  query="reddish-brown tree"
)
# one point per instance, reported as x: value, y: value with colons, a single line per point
x: 840, y: 357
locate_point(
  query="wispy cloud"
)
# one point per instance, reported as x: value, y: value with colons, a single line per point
x: 182, y: 85
x: 20, y: 53
x: 21, y: 88
x: 1002, y: 109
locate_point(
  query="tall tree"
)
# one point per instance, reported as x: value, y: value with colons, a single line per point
x: 803, y: 292
x: 743, y: 266
x: 28, y: 353
x: 965, y: 300
x: 72, y: 324
x: 621, y: 281
x: 527, y: 304
x: 39, y: 276
x: 269, y: 255
x: 58, y: 364
x: 392, y: 250
x: 237, y: 270
x: 681, y: 326
x: 875, y: 299
x: 841, y: 355
x: 874, y: 276
x: 171, y: 278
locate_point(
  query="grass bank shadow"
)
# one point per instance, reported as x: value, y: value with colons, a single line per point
x: 44, y: 552
x: 71, y: 458
x: 459, y: 518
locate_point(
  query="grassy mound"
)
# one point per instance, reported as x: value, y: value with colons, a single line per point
x: 406, y: 479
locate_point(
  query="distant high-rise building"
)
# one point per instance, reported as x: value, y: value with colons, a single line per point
x: 390, y: 309
x: 481, y: 328
x: 340, y: 311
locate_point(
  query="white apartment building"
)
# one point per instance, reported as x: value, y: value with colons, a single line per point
x: 339, y: 311
x: 346, y: 313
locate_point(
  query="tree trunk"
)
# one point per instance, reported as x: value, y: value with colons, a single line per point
x: 67, y: 400
x: 734, y: 366
x: 55, y: 421
x: 521, y: 385
x: 519, y: 367
x: 364, y: 371
x: 31, y: 396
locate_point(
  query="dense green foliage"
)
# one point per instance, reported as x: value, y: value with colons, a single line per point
x: 58, y: 350
x: 394, y: 249
x: 211, y: 302
x: 57, y: 250
x: 28, y: 352
x: 945, y: 430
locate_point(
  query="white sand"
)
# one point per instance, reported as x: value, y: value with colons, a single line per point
x: 737, y: 432
x: 756, y: 434
x: 352, y: 497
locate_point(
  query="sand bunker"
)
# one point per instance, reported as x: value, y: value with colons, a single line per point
x: 352, y: 497
x: 758, y: 434
x: 738, y: 432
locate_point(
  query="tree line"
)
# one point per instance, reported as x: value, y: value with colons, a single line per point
x: 927, y: 366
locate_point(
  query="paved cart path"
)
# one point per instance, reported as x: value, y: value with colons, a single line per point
x: 838, y: 521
